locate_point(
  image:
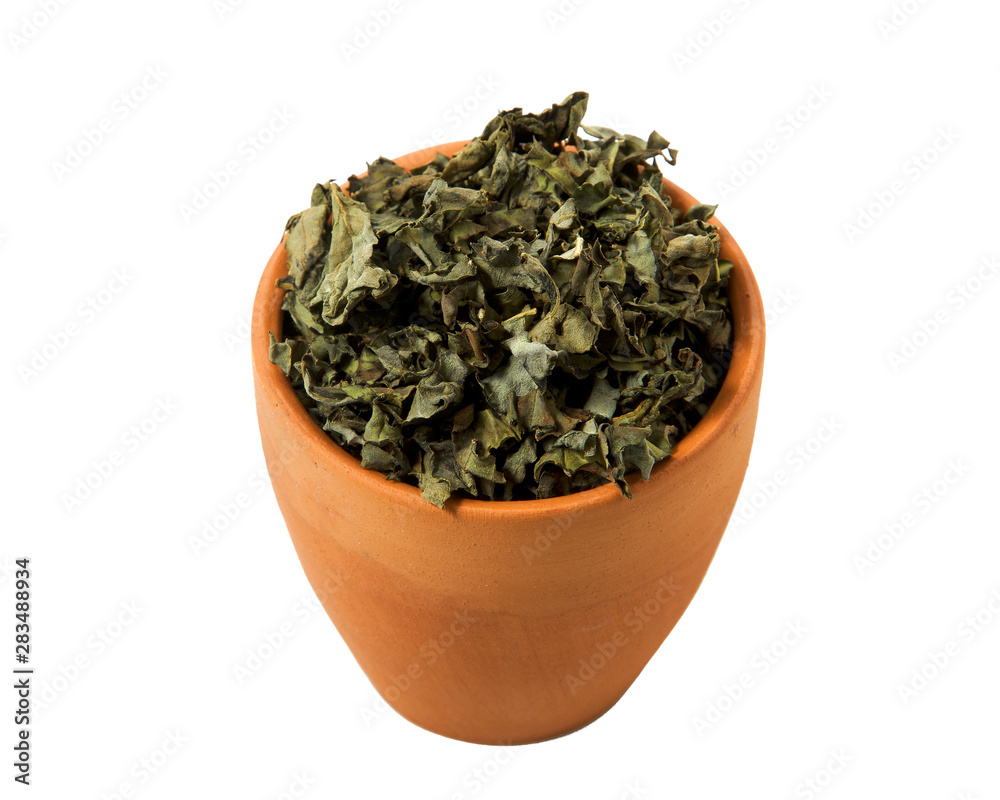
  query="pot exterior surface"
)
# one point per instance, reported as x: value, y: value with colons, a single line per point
x: 507, y: 622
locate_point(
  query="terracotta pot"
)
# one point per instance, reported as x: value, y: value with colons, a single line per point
x: 515, y: 621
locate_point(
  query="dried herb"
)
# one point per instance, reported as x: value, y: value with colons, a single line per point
x: 528, y: 318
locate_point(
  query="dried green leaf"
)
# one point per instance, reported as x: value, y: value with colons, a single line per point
x: 527, y: 318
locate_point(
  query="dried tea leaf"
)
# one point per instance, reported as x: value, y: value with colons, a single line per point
x: 527, y: 318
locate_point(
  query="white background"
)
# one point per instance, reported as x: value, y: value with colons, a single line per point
x: 909, y: 104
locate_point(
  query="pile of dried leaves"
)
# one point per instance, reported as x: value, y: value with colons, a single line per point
x: 526, y: 319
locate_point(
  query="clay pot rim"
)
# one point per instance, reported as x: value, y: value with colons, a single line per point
x: 735, y: 392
